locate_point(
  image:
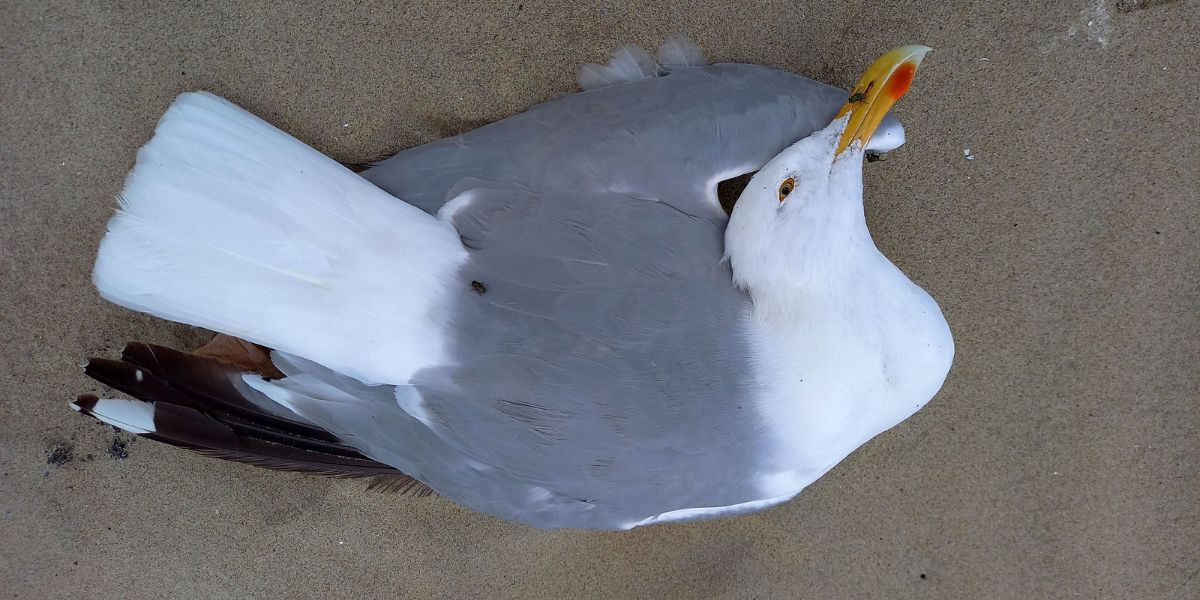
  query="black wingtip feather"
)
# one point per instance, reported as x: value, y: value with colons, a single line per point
x: 197, y: 407
x: 86, y: 403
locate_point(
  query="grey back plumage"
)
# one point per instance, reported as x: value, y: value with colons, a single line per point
x: 603, y: 361
x: 670, y: 137
x: 599, y: 369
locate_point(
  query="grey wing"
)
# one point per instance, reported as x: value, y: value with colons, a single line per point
x: 600, y: 371
x: 671, y: 137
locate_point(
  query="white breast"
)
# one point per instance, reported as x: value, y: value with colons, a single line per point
x: 842, y: 367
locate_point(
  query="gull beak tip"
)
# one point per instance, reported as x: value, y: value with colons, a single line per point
x: 881, y: 85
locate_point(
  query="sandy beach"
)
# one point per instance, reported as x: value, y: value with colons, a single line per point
x: 1048, y: 197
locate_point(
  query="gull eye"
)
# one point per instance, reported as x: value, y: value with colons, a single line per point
x: 786, y: 188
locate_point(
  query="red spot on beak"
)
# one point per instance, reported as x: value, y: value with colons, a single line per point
x: 901, y: 78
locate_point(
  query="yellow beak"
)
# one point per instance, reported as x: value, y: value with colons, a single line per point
x: 883, y: 83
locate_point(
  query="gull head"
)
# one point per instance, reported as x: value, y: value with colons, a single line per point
x: 798, y: 229
x: 846, y: 346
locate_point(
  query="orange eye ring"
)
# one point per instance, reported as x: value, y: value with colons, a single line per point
x: 786, y: 188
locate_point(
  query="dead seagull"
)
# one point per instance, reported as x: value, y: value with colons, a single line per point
x: 549, y: 319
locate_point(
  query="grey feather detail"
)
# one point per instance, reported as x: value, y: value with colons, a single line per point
x: 366, y: 417
x: 680, y: 51
x: 568, y: 381
x: 628, y: 63
x: 566, y: 400
x: 671, y: 138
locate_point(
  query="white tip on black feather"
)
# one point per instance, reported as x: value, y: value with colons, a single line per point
x: 133, y: 416
x: 195, y: 402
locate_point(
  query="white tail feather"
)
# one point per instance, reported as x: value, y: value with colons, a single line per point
x: 230, y: 224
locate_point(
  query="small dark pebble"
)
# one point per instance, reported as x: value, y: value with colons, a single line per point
x: 60, y: 454
x: 923, y: 576
x: 119, y: 449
